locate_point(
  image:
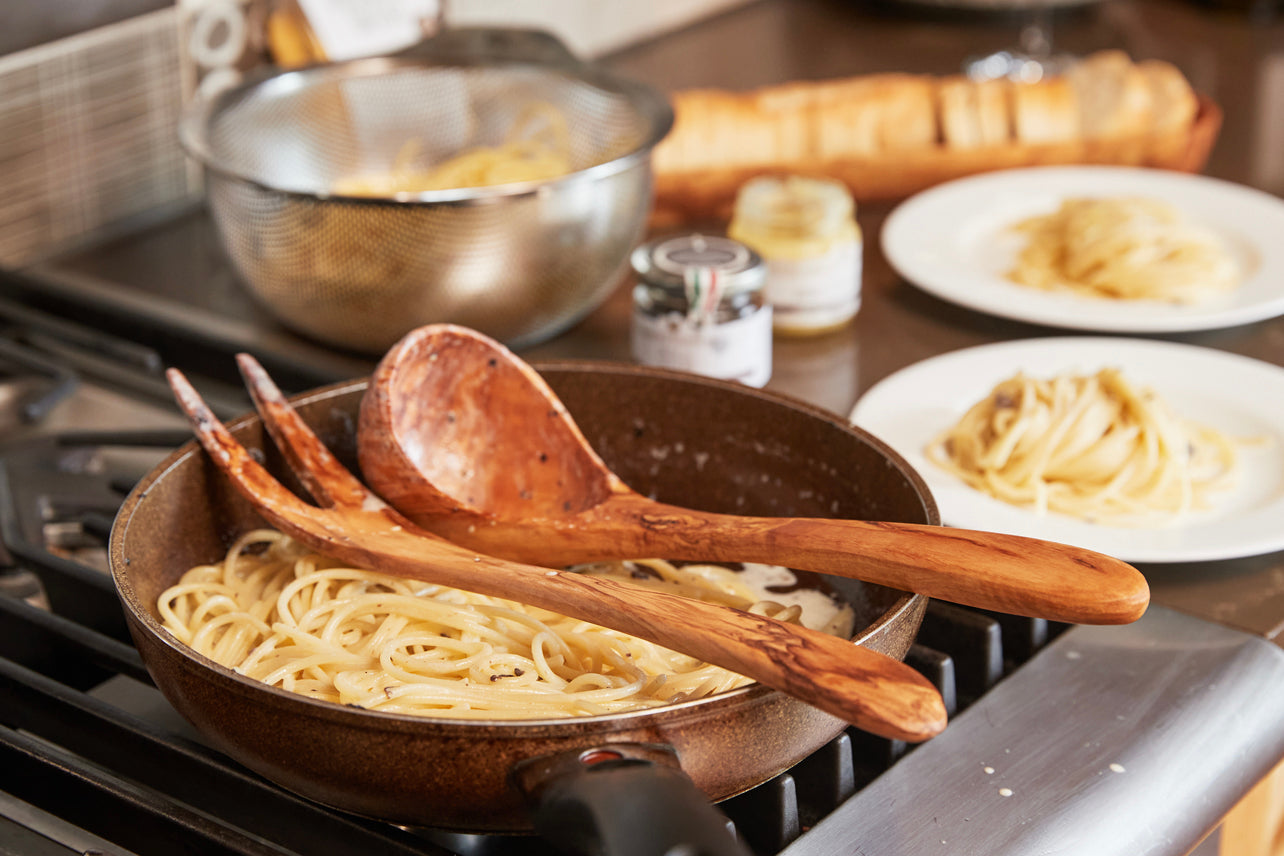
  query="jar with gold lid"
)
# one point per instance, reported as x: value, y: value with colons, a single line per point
x: 806, y: 230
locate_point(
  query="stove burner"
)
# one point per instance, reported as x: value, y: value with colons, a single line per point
x: 93, y: 758
x: 65, y: 654
x: 20, y: 584
x: 33, y: 385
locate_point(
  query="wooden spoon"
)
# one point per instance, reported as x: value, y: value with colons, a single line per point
x: 467, y: 440
x: 862, y: 686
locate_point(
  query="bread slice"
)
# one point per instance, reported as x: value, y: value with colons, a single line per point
x: 908, y: 118
x: 974, y: 113
x: 1113, y: 96
x: 865, y: 116
x: 1172, y: 100
x: 713, y: 128
x: 1045, y: 112
x: 1173, y: 109
x: 785, y: 108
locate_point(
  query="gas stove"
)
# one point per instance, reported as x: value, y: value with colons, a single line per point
x: 1116, y: 740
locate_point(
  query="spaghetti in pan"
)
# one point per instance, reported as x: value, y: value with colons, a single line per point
x: 276, y: 612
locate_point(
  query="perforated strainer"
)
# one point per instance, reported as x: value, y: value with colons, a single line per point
x: 519, y: 262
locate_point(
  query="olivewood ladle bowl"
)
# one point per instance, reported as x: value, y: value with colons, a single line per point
x: 868, y: 689
x: 467, y: 440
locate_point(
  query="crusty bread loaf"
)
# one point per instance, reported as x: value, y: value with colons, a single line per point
x: 890, y: 135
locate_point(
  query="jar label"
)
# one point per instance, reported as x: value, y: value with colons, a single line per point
x: 818, y: 292
x: 737, y: 350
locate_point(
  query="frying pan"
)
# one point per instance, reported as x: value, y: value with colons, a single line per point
x: 706, y: 443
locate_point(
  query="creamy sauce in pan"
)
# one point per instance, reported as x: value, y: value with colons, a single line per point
x: 818, y: 608
x: 276, y: 612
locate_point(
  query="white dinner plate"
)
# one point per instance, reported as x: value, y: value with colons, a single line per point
x: 955, y: 241
x: 1239, y: 396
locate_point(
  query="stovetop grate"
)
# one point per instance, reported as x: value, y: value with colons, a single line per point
x: 71, y: 749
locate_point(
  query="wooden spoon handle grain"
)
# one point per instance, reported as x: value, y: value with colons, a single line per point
x: 988, y: 570
x: 1008, y: 573
x: 870, y: 690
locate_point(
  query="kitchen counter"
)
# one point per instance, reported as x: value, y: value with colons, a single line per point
x: 165, y: 283
x: 1231, y: 57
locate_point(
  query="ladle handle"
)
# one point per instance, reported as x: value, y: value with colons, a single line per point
x: 987, y: 570
x: 1006, y: 573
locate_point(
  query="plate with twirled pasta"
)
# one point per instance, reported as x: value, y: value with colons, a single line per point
x: 1146, y: 450
x: 1109, y: 249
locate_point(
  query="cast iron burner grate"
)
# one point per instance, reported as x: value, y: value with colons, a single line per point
x: 92, y: 759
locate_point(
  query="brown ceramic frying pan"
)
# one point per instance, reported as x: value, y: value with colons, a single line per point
x: 707, y: 444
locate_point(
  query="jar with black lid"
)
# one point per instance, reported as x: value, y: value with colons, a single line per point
x: 698, y: 306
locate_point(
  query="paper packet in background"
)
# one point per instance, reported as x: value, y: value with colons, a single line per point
x: 223, y: 40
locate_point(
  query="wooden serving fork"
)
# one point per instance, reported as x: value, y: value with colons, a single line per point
x: 868, y: 689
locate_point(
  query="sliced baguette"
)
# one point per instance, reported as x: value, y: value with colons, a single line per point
x: 890, y: 135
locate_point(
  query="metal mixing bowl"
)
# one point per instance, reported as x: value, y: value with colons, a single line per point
x: 519, y: 262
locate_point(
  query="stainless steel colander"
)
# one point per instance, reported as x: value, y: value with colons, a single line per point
x: 519, y: 262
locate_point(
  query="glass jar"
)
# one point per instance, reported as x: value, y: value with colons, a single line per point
x: 806, y: 230
x: 699, y: 306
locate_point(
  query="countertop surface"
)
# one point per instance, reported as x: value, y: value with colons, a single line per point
x: 1231, y: 56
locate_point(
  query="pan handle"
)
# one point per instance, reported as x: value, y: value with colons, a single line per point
x: 623, y: 799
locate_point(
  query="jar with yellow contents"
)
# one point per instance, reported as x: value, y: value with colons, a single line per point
x: 806, y: 230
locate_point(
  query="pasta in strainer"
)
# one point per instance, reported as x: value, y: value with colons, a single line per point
x: 537, y: 148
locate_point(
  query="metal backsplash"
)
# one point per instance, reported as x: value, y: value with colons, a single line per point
x: 87, y: 134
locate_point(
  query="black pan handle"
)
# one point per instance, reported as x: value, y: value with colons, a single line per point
x: 623, y: 800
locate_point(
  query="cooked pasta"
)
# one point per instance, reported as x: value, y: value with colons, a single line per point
x: 1127, y: 249
x: 276, y: 612
x: 537, y: 148
x: 1088, y: 445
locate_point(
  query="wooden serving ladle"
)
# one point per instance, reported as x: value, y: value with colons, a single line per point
x: 868, y: 689
x: 467, y: 440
